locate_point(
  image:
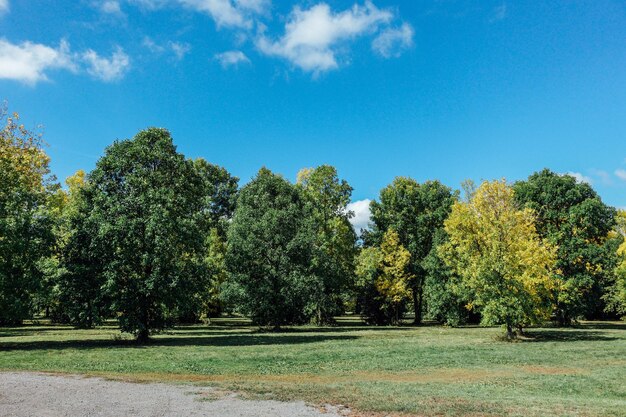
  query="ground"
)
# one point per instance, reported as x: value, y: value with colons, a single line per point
x: 428, y: 370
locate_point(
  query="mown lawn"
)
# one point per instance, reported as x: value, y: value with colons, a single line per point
x: 427, y: 370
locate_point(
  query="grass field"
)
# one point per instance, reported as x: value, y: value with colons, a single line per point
x: 427, y: 370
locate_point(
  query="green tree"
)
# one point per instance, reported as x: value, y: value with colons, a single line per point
x: 615, y: 296
x: 334, y: 247
x: 269, y: 252
x: 83, y: 300
x: 444, y: 296
x: 416, y: 211
x: 146, y: 202
x: 502, y: 261
x: 572, y: 217
x: 25, y: 222
x: 383, y: 280
x: 219, y: 194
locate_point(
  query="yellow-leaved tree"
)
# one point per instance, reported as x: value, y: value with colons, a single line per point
x: 393, y: 281
x: 503, y: 264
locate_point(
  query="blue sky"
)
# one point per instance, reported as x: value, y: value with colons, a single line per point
x: 438, y: 89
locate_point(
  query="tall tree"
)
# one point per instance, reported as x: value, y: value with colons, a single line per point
x: 572, y: 217
x: 334, y: 248
x: 219, y: 195
x: 416, y: 211
x: 382, y: 280
x: 269, y: 251
x: 25, y: 222
x: 83, y: 300
x: 146, y: 202
x: 615, y: 296
x: 496, y: 250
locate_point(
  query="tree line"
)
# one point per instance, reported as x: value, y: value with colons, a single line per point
x: 152, y: 238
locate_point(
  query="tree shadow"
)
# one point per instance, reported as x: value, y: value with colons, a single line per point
x: 567, y: 335
x: 172, y: 341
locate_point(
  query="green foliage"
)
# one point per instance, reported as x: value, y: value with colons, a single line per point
x: 445, y: 297
x: 383, y: 280
x: 416, y: 211
x: 615, y: 296
x: 334, y: 246
x: 219, y: 195
x: 25, y: 222
x: 495, y: 249
x: 146, y: 206
x: 269, y: 254
x: 83, y: 300
x: 573, y: 218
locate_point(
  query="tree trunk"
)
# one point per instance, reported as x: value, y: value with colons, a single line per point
x: 509, y: 332
x: 416, y: 307
x: 143, y: 336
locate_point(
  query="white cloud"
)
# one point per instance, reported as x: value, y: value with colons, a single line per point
x: 225, y: 12
x: 232, y: 58
x: 311, y: 36
x: 28, y: 62
x: 392, y: 42
x: 621, y: 174
x: 111, y: 7
x: 178, y: 49
x: 106, y: 69
x: 361, y: 210
x: 580, y: 178
x: 4, y: 6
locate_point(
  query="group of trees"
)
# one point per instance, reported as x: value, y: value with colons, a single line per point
x: 152, y: 238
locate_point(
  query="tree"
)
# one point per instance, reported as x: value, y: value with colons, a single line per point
x: 444, y: 296
x: 83, y: 300
x: 146, y: 205
x: 383, y: 280
x: 502, y: 261
x: 416, y: 211
x: 219, y: 194
x: 334, y: 246
x: 615, y: 296
x: 25, y: 222
x: 269, y: 252
x: 573, y: 218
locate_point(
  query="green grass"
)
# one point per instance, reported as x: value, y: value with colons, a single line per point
x: 427, y: 370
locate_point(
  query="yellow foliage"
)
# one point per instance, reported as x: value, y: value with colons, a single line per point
x: 494, y: 246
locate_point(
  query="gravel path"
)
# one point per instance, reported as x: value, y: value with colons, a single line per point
x: 32, y: 394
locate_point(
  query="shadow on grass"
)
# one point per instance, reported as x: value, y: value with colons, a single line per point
x: 567, y: 335
x: 171, y: 341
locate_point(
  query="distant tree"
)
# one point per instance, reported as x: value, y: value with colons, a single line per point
x: 83, y: 300
x: 615, y: 296
x: 219, y: 195
x: 334, y: 247
x: 25, y: 222
x: 270, y: 241
x: 444, y: 296
x: 573, y: 218
x: 502, y: 261
x: 146, y: 203
x: 416, y: 211
x: 382, y: 279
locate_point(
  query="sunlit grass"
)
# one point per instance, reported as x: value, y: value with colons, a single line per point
x: 428, y: 370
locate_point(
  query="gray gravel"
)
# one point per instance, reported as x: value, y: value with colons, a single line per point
x: 42, y: 395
